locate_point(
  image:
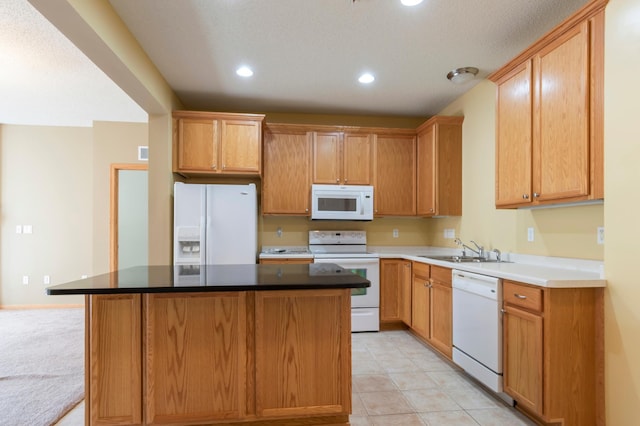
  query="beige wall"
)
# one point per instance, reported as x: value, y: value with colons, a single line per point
x: 113, y: 143
x: 46, y: 183
x: 622, y: 176
x: 57, y: 179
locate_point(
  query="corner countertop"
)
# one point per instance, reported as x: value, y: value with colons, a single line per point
x: 214, y: 278
x: 542, y: 271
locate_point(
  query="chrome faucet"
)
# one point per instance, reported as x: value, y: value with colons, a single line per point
x: 479, y: 251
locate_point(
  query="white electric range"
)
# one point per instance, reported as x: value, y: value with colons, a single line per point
x: 348, y: 249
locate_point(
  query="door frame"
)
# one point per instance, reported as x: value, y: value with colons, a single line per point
x: 113, y: 209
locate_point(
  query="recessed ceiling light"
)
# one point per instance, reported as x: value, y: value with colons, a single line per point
x: 244, y: 72
x: 366, y: 78
x: 410, y: 2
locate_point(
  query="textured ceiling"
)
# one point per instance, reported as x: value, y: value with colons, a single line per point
x: 306, y: 55
x: 46, y: 80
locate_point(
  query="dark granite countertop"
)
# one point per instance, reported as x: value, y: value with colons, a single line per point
x: 171, y: 279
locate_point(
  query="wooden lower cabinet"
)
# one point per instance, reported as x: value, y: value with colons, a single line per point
x: 431, y: 306
x: 395, y: 291
x: 420, y: 300
x: 195, y: 355
x: 553, y: 352
x: 219, y: 358
x: 302, y: 342
x: 113, y: 398
x: 441, y: 299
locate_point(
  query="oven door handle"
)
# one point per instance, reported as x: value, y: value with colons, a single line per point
x: 349, y: 261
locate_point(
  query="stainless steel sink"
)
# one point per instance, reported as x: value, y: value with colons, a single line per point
x: 464, y: 259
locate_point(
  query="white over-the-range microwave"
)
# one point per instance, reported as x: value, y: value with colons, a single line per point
x: 342, y: 202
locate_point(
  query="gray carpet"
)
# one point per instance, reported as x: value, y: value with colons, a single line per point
x: 41, y: 365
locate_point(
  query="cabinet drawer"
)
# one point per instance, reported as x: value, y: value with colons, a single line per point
x: 443, y: 275
x: 523, y: 296
x: 421, y: 269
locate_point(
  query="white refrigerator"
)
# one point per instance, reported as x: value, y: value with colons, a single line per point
x: 214, y: 225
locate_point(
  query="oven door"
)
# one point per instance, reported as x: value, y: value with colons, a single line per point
x: 368, y: 268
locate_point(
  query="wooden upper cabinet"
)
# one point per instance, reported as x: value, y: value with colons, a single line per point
x: 439, y: 167
x: 395, y: 174
x: 549, y: 146
x: 326, y: 158
x: 356, y: 158
x: 514, y: 137
x: 286, y: 182
x: 341, y: 158
x: 561, y: 126
x: 207, y: 143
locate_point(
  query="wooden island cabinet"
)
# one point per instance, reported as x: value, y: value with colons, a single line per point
x: 251, y: 351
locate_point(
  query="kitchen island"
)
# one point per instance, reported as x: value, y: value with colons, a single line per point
x: 228, y: 344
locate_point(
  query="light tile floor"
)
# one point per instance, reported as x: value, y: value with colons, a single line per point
x: 399, y: 381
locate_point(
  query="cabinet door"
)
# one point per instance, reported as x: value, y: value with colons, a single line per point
x: 514, y: 138
x: 303, y: 357
x: 441, y: 317
x: 114, y: 344
x: 425, y: 165
x: 191, y: 377
x: 326, y: 158
x: 241, y: 146
x: 561, y: 139
x: 395, y: 175
x: 198, y: 145
x: 522, y: 357
x: 390, y: 275
x: 405, y: 293
x: 356, y: 155
x: 287, y: 178
x: 420, y: 300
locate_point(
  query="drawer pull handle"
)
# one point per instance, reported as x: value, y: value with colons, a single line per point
x: 519, y: 296
x: 504, y: 311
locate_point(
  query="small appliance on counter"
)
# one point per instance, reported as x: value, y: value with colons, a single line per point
x: 348, y: 249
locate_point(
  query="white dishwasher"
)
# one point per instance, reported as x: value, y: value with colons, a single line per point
x: 477, y: 327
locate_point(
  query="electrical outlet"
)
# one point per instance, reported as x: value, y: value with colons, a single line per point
x: 449, y: 234
x: 600, y: 233
x: 18, y: 229
x: 279, y: 232
x: 28, y: 229
x: 530, y: 236
x: 25, y: 279
x: 396, y: 234
x: 46, y: 279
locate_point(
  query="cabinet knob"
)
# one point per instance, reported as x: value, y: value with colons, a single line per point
x: 503, y: 311
x: 224, y: 167
x: 338, y: 180
x: 306, y: 210
x: 536, y: 195
x: 345, y: 180
x: 525, y: 196
x: 213, y: 167
x: 430, y: 210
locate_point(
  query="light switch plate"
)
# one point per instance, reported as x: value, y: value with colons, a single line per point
x: 600, y: 233
x: 396, y: 234
x: 530, y: 236
x: 449, y: 234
